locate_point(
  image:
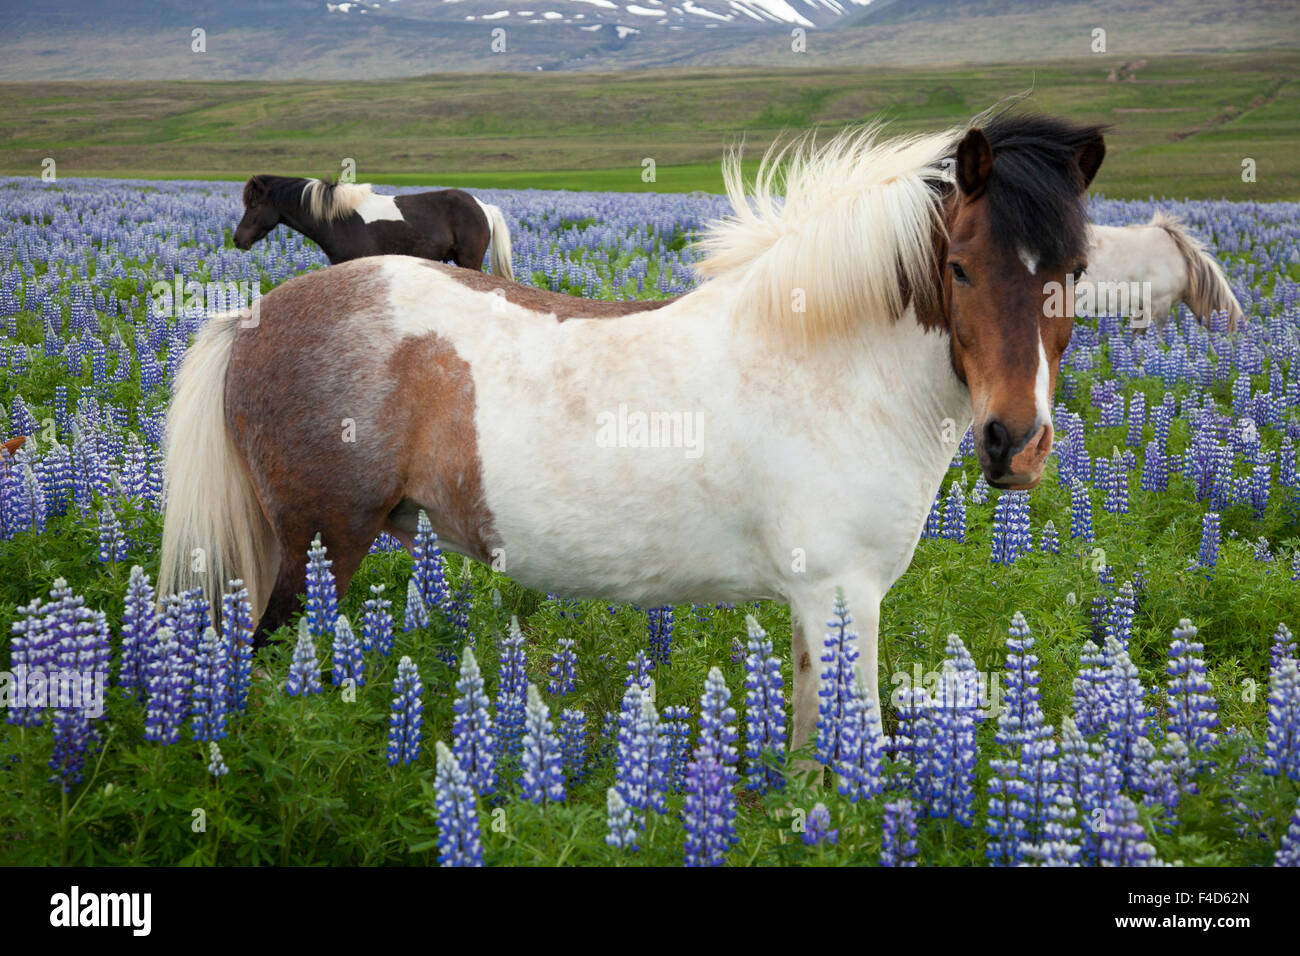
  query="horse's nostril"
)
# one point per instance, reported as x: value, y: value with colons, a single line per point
x: 997, y: 440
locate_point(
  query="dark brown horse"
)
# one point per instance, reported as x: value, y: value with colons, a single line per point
x: 350, y: 221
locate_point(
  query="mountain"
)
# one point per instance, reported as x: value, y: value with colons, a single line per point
x: 365, y: 39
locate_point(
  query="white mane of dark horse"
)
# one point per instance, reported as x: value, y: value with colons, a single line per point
x: 845, y: 337
x: 350, y: 221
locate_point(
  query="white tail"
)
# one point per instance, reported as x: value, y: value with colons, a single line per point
x: 1207, y: 287
x: 499, y: 256
x: 213, y: 528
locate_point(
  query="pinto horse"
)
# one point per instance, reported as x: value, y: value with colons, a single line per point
x: 842, y: 343
x: 350, y: 220
x: 1161, y: 252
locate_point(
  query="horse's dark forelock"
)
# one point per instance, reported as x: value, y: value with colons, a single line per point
x: 276, y: 190
x: 1035, y: 190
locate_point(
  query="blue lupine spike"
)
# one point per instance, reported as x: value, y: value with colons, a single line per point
x: 898, y: 844
x: 406, y: 722
x: 304, y: 672
x: 1193, y: 711
x: 764, y: 712
x: 471, y: 731
x: 512, y: 693
x: 836, y: 687
x: 563, y: 671
x: 542, y: 774
x: 1282, y: 748
x: 460, y: 841
x: 211, y: 687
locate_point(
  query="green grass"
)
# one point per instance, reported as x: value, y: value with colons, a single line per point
x: 1181, y: 130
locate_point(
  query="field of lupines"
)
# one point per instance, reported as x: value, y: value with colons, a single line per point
x: 1099, y: 672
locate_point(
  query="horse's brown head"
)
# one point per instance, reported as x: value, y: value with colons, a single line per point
x: 261, y: 212
x: 1016, y: 225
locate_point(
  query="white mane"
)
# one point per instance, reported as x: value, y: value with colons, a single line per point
x: 855, y: 225
x: 333, y: 201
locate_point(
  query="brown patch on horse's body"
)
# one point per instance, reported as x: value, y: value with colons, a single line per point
x: 332, y: 439
x: 559, y: 304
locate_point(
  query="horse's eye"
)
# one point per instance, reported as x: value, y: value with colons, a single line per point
x: 959, y: 273
x: 1078, y: 273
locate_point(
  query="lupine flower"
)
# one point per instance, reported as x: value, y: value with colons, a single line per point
x: 661, y: 633
x: 1208, y: 556
x: 1011, y: 536
x: 406, y: 722
x: 82, y: 654
x: 416, y: 616
x: 899, y: 843
x: 211, y: 687
x: 304, y: 672
x: 913, y: 742
x: 836, y: 689
x: 216, y: 762
x: 1116, y: 487
x: 950, y: 742
x: 1288, y: 854
x: 1282, y: 749
x: 429, y: 571
x: 1080, y: 511
x: 677, y: 724
x: 112, y: 543
x: 166, y: 687
x: 471, y: 729
x: 1126, y: 714
x: 817, y: 828
x: 1122, y: 610
x: 237, y: 632
x: 858, y: 768
x: 1155, y: 469
x: 764, y: 712
x: 573, y: 744
x: 933, y: 527
x: 542, y: 774
x: 641, y: 769
x: 139, y: 625
x: 1284, y: 645
x: 460, y: 841
x: 1123, y: 841
x: 1090, y: 690
x: 954, y: 514
x: 1193, y: 711
x: 322, y: 593
x: 979, y: 493
x: 1092, y: 779
x: 377, y: 622
x: 348, y: 662
x: 512, y: 693
x: 564, y: 663
x: 622, y: 827
x: 710, y: 810
x: 638, y: 672
x: 1049, y: 541
x: 31, y: 652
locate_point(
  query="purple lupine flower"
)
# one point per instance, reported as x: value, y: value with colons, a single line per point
x: 1208, y: 556
x: 950, y: 774
x: 30, y: 658
x: 1282, y: 748
x: 638, y: 672
x: 82, y: 662
x: 979, y: 492
x: 954, y: 514
x: 429, y: 571
x: 899, y: 834
x: 622, y: 827
x: 677, y: 724
x: 1193, y: 711
x: 471, y: 729
x: 1080, y: 511
x: 764, y: 713
x: 216, y: 762
x: 416, y: 615
x: 1121, y: 612
x: 1126, y: 714
x: 1049, y: 541
x: 573, y: 744
x: 460, y: 841
x: 1137, y: 417
x: 1123, y: 841
x: 348, y: 663
x: 817, y: 828
x: 322, y: 593
x: 710, y: 810
x: 661, y: 633
x: 1155, y: 469
x: 542, y: 773
x: 641, y: 768
x: 406, y: 721
x: 211, y: 687
x: 512, y: 691
x: 1090, y: 690
x: 933, y: 527
x: 858, y: 768
x: 377, y: 622
x: 1116, y: 486
x: 112, y: 543
x: 1011, y: 536
x: 1089, y: 775
x: 166, y: 686
x: 563, y: 672
x: 237, y: 631
x: 913, y: 742
x: 836, y: 687
x: 304, y: 672
x: 1284, y: 646
x: 1288, y: 854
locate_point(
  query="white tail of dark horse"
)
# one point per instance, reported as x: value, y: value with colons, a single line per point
x: 823, y: 413
x: 500, y: 251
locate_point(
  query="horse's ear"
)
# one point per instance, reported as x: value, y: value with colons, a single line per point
x: 1089, y: 157
x: 974, y: 163
x: 254, y: 190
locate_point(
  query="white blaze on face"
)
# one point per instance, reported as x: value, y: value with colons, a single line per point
x: 1042, y: 379
x: 1030, y: 261
x: 376, y: 207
